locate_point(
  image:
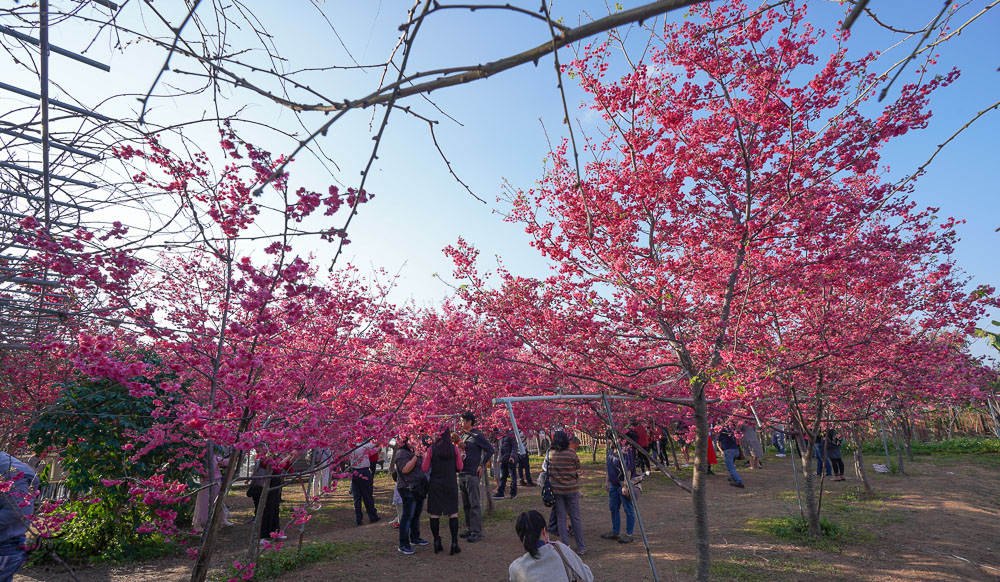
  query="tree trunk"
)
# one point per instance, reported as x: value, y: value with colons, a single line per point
x: 906, y: 428
x: 899, y: 449
x: 202, y: 562
x: 488, y: 492
x: 673, y: 450
x: 699, y: 494
x: 812, y: 507
x: 859, y: 462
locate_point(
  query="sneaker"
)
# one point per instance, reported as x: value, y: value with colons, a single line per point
x: 376, y: 519
x: 513, y: 495
x: 740, y: 485
x: 625, y: 539
x: 581, y: 552
x: 474, y: 539
x: 405, y: 550
x: 465, y: 534
x: 419, y: 542
x: 498, y: 496
x: 395, y: 525
x: 609, y: 536
x: 781, y: 455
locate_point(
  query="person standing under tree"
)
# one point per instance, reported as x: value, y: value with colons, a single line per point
x: 477, y: 454
x: 412, y: 487
x: 444, y: 461
x: 508, y: 464
x: 614, y: 482
x: 564, y: 477
x: 363, y: 483
x: 833, y: 442
x: 641, y: 437
x: 524, y: 466
x: 730, y: 450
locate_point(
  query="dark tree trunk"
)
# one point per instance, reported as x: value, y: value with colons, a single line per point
x: 806, y: 448
x: 699, y: 495
x: 202, y: 562
x: 859, y: 462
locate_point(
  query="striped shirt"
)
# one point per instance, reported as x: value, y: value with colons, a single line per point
x: 564, y: 469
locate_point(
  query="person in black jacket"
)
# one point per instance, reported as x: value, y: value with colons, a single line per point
x: 508, y: 464
x: 478, y: 451
x: 524, y: 468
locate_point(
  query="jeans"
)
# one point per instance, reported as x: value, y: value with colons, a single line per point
x: 778, y: 440
x: 409, y: 523
x: 363, y: 488
x: 472, y: 505
x: 12, y: 556
x: 568, y: 507
x: 508, y: 470
x: 615, y: 501
x: 820, y: 459
x: 730, y: 456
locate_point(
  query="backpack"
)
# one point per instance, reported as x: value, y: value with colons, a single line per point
x: 548, y: 496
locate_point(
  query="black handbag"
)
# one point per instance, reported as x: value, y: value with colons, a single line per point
x: 548, y: 495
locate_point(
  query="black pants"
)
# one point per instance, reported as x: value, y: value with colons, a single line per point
x: 507, y: 471
x: 838, y: 466
x: 642, y: 463
x: 364, y: 491
x: 524, y: 468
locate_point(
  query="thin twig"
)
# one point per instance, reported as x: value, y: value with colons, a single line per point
x: 166, y: 63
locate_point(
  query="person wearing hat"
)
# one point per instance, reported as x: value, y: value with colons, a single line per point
x: 478, y: 452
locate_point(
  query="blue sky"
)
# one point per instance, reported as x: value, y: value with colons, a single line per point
x: 500, y: 134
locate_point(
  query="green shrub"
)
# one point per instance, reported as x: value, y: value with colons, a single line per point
x: 98, y: 534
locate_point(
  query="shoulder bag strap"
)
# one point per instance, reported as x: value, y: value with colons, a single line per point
x: 570, y: 572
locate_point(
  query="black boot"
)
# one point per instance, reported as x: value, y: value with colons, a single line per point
x: 435, y: 529
x: 453, y: 527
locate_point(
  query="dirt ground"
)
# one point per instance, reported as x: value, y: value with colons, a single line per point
x: 940, y: 521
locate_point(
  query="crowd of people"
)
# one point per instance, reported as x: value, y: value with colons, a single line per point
x: 435, y: 474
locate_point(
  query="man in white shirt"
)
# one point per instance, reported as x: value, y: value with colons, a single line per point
x: 362, y: 483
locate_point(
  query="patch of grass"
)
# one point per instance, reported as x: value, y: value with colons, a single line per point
x: 274, y: 564
x: 987, y: 461
x: 796, y: 530
x: 758, y: 568
x: 787, y: 495
x: 956, y: 446
x: 499, y: 515
x: 593, y: 489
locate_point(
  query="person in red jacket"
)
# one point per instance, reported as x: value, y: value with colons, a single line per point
x: 642, y: 437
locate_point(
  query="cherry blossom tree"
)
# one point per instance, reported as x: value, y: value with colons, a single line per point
x: 740, y: 175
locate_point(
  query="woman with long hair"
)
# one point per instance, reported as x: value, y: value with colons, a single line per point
x: 444, y: 462
x: 545, y: 561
